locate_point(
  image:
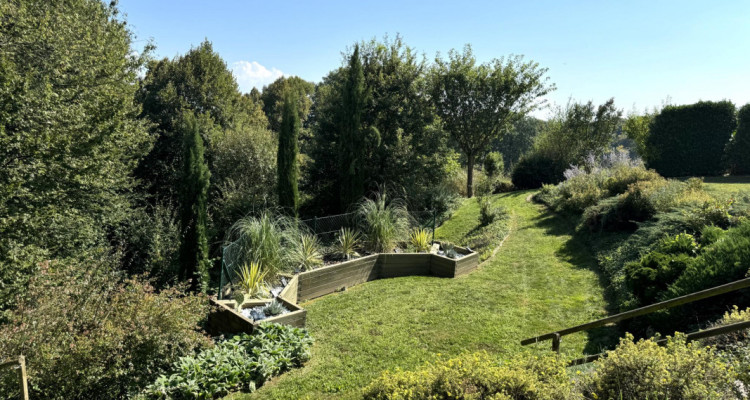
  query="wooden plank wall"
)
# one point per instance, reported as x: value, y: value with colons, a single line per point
x: 290, y: 291
x: 404, y: 264
x: 322, y: 281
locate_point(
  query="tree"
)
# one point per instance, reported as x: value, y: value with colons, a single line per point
x: 286, y: 159
x: 635, y: 128
x: 738, y: 151
x: 351, y: 133
x: 518, y: 140
x: 274, y: 95
x: 69, y: 133
x: 199, y: 81
x: 194, y: 262
x: 478, y: 103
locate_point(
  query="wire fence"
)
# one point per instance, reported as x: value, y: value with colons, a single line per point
x: 325, y: 228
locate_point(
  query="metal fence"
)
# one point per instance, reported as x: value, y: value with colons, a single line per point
x: 325, y: 229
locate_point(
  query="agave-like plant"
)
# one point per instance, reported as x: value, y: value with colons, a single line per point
x: 251, y: 279
x: 273, y: 308
x: 420, y: 240
x: 384, y: 221
x: 346, y: 243
x: 305, y: 252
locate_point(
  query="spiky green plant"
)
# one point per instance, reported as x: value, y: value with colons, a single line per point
x: 420, y: 240
x: 251, y: 279
x: 384, y: 221
x: 347, y: 242
x: 274, y: 308
x: 306, y: 254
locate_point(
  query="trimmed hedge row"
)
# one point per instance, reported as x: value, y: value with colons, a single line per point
x: 738, y: 152
x: 690, y: 140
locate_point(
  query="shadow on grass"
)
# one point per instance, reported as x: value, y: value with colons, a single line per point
x: 577, y: 250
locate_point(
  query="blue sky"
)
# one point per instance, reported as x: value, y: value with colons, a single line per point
x: 639, y: 52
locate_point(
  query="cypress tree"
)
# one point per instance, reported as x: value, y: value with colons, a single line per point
x: 194, y: 263
x: 286, y: 159
x: 351, y: 138
x: 739, y: 147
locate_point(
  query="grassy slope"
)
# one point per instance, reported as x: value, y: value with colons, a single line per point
x: 728, y: 184
x: 539, y: 281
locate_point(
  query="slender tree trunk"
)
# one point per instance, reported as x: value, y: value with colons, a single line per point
x: 470, y: 175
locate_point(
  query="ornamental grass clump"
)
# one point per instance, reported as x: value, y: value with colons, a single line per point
x: 347, y: 243
x: 384, y: 221
x: 250, y: 278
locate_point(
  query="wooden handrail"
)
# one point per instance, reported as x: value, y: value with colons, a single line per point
x: 706, y: 333
x: 690, y: 298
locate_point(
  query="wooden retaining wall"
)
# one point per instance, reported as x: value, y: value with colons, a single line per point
x: 322, y: 281
x: 325, y: 280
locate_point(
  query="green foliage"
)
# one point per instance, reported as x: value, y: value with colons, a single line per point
x: 347, y: 242
x: 251, y: 279
x: 649, y: 278
x: 734, y: 347
x: 69, y: 133
x: 274, y: 97
x: 518, y: 140
x: 636, y: 128
x: 493, y: 164
x: 645, y: 370
x: 690, y: 140
x: 287, y: 168
x: 384, y: 221
x: 306, y: 254
x: 738, y: 149
x: 266, y: 239
x: 194, y: 262
x: 476, y: 376
x: 488, y: 213
x: 535, y: 169
x: 722, y: 262
x: 420, y: 240
x: 243, y: 362
x: 94, y: 335
x: 477, y: 103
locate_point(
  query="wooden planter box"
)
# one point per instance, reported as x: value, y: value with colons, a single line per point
x: 332, y: 278
x: 225, y: 320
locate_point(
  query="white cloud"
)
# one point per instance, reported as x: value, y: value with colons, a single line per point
x: 250, y: 74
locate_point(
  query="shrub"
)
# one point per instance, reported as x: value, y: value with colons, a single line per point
x: 306, y: 254
x: 739, y: 148
x: 645, y: 370
x: 487, y: 212
x: 420, y: 240
x: 535, y: 169
x: 493, y: 164
x: 243, y: 362
x: 734, y: 347
x: 87, y: 334
x: 347, y: 243
x: 476, y: 376
x: 690, y: 140
x: 651, y: 276
x: 384, y: 221
x: 722, y: 262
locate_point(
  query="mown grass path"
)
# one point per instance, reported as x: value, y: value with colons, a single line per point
x: 540, y: 280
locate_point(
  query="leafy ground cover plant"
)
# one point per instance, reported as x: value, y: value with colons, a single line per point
x: 243, y: 362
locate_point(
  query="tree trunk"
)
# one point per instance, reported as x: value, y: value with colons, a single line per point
x: 470, y: 175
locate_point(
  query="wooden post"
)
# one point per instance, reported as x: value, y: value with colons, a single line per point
x: 556, y: 343
x: 22, y: 373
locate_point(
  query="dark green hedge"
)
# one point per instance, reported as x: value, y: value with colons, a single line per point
x: 690, y: 140
x: 738, y: 153
x: 535, y: 169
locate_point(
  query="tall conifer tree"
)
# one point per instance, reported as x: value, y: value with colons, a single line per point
x: 351, y: 138
x: 194, y: 263
x: 286, y: 159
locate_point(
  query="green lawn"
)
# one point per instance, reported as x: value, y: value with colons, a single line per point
x: 540, y: 280
x: 728, y: 184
